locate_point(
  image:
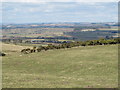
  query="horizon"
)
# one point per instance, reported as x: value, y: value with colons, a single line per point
x: 55, y: 23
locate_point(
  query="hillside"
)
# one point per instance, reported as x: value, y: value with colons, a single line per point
x: 12, y: 47
x: 81, y: 67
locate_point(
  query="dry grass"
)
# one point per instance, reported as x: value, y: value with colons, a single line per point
x: 82, y: 67
x: 13, y: 47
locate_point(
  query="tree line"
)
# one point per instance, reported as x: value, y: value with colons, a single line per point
x: 72, y: 44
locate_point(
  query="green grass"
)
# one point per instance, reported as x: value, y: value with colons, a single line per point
x: 81, y: 67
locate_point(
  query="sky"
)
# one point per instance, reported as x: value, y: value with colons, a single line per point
x: 44, y: 12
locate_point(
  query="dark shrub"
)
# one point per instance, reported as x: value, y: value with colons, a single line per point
x: 83, y: 44
x: 46, y: 48
x: 26, y: 51
x: 38, y: 49
x: 2, y: 54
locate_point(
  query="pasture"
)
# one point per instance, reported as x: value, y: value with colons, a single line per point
x: 79, y: 67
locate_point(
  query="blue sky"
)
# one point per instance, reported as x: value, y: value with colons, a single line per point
x: 18, y: 12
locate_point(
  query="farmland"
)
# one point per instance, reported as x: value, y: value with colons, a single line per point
x: 57, y: 33
x: 79, y: 67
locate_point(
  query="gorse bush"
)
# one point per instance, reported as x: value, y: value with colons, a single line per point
x: 2, y: 54
x: 72, y: 44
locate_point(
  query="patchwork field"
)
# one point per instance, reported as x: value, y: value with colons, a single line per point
x: 80, y: 67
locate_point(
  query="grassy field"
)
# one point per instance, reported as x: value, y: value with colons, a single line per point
x: 81, y: 67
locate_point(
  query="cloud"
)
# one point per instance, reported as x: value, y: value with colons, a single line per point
x: 60, y: 1
x: 23, y: 1
x: 59, y: 11
x: 96, y: 0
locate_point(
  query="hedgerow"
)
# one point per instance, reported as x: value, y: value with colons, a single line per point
x: 72, y: 44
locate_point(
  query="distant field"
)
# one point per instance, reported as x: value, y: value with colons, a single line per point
x: 35, y: 32
x: 81, y: 67
x: 44, y: 32
x: 108, y: 29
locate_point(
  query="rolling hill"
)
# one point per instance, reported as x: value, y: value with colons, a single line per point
x: 80, y: 67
